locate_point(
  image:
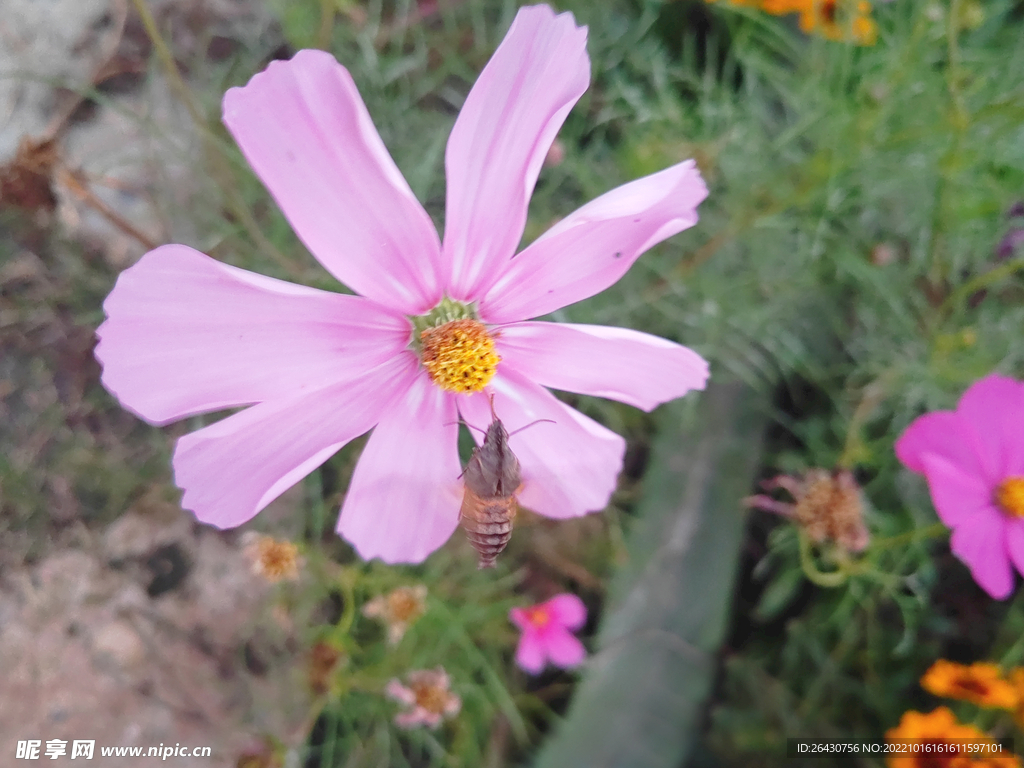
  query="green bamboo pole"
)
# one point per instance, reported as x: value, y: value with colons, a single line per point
x: 643, y: 692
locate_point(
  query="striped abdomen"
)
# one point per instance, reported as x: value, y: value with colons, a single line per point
x: 488, y: 524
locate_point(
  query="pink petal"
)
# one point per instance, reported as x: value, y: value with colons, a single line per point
x: 563, y: 649
x: 454, y: 705
x: 395, y: 690
x: 941, y: 433
x: 1015, y: 542
x: 994, y: 407
x: 628, y: 366
x: 441, y: 678
x: 501, y: 137
x: 956, y: 494
x: 187, y: 334
x: 592, y: 248
x: 567, y: 611
x: 304, y: 129
x: 404, y: 498
x: 530, y: 654
x: 518, y: 617
x: 430, y: 719
x: 570, y: 467
x: 979, y: 543
x: 234, y: 468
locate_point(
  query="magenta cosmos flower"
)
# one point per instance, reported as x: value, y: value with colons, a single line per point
x: 973, y: 459
x: 434, y: 323
x: 547, y: 633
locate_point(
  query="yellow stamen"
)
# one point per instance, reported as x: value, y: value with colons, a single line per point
x: 432, y: 698
x: 459, y: 355
x: 1010, y: 496
x: 430, y: 688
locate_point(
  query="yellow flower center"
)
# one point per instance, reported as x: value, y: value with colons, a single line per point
x: 1010, y: 496
x: 430, y: 696
x: 405, y: 604
x: 538, y: 617
x: 459, y: 355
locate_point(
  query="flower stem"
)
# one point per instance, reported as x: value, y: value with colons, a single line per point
x: 984, y: 280
x: 928, y: 532
x: 828, y: 579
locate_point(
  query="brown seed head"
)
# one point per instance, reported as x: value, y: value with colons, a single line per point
x: 323, y: 660
x: 398, y: 609
x: 273, y: 559
x: 829, y: 507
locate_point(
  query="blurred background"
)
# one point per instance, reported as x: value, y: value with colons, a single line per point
x: 858, y: 261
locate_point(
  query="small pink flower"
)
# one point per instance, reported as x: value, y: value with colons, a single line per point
x: 427, y: 698
x: 973, y: 459
x: 434, y: 324
x: 546, y: 633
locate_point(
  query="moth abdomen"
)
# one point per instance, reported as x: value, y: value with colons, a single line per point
x: 488, y: 524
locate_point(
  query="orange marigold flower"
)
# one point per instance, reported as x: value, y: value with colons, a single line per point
x: 1017, y: 681
x: 1010, y: 761
x: 782, y: 7
x: 832, y: 19
x: 939, y: 727
x: 981, y: 683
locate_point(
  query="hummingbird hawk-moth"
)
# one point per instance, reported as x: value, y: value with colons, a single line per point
x: 489, y: 505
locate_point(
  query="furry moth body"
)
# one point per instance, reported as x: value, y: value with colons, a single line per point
x: 489, y: 505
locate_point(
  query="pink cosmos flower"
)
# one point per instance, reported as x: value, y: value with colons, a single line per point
x: 547, y: 633
x: 973, y: 459
x: 434, y: 322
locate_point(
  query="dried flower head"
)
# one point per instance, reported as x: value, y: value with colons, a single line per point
x: 556, y: 154
x: 981, y: 683
x: 26, y: 181
x: 273, y: 559
x: 827, y: 505
x: 323, y: 660
x: 427, y: 698
x: 398, y: 609
x: 939, y: 727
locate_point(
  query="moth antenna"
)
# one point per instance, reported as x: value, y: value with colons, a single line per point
x: 490, y: 399
x: 538, y: 421
x: 471, y: 426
